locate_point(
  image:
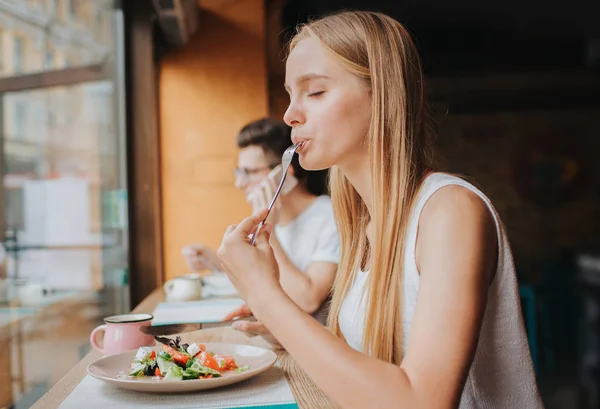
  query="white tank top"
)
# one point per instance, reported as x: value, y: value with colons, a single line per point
x: 501, y: 374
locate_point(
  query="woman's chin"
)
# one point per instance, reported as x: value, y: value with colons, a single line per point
x: 312, y: 164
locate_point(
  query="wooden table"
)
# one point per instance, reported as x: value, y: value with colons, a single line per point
x: 306, y: 393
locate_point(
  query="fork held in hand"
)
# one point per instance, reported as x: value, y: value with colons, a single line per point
x: 286, y: 160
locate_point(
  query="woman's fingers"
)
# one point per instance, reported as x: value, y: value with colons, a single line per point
x: 249, y: 224
x: 264, y: 235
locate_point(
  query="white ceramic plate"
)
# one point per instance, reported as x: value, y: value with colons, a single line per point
x: 258, y: 359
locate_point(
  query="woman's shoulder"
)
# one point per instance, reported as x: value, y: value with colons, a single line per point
x: 449, y: 189
x: 454, y: 200
x: 458, y: 225
x: 444, y: 195
x: 455, y: 212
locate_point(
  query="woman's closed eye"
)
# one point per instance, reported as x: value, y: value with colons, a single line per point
x: 315, y: 94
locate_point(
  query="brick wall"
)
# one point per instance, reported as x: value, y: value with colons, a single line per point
x: 485, y: 147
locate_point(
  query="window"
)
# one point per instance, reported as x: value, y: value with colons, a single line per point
x: 2, y: 58
x: 20, y: 118
x: 73, y: 9
x: 96, y: 24
x: 49, y: 59
x: 34, y: 4
x: 65, y: 153
x: 18, y: 55
x: 59, y: 7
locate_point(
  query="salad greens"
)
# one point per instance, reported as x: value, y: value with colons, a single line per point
x: 177, y: 362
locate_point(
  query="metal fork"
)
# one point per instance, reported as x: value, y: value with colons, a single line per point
x: 286, y: 160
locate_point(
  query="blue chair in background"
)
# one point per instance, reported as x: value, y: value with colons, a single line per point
x: 554, y: 303
x: 529, y: 304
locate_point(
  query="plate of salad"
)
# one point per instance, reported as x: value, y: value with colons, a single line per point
x: 182, y: 367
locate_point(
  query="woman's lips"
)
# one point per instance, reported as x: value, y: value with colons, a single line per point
x: 302, y: 146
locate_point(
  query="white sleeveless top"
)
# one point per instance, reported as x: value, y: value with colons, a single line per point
x: 501, y: 374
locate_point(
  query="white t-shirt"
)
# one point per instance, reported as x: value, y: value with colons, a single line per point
x: 311, y: 237
x: 501, y: 374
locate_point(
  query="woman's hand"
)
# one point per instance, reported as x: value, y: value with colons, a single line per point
x: 253, y: 270
x: 251, y: 328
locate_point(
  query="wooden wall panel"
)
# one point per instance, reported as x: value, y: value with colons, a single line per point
x: 207, y: 91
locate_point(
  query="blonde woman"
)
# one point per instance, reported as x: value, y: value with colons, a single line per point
x: 425, y: 310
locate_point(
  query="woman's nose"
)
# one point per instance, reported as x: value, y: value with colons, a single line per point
x: 293, y: 115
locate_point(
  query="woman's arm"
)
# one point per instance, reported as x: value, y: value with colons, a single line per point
x: 456, y: 253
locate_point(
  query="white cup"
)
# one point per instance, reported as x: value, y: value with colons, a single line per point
x: 184, y: 288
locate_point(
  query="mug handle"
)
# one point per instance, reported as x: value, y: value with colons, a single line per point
x: 93, y: 341
x: 168, y: 285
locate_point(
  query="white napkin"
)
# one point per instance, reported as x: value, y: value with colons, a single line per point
x: 194, y: 311
x: 269, y: 389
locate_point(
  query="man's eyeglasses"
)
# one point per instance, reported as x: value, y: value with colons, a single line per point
x: 244, y: 173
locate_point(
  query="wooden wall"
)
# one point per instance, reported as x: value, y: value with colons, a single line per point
x: 207, y: 91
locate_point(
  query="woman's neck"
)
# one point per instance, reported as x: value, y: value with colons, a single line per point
x: 294, y: 203
x: 358, y: 174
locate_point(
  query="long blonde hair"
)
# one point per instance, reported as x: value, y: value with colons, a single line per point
x: 378, y: 49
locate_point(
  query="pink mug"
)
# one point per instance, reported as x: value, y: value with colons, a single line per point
x: 122, y: 333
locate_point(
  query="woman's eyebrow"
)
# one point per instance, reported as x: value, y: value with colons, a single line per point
x: 305, y: 78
